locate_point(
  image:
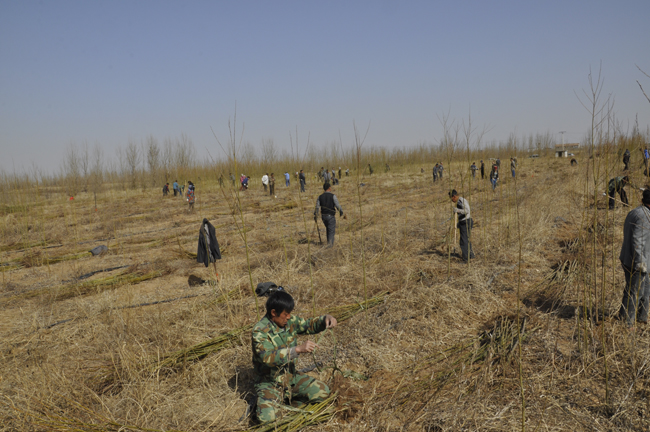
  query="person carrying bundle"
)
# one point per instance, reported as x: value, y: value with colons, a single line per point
x: 616, y: 185
x: 275, y: 348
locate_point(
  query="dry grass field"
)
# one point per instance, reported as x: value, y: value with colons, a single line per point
x: 525, y: 333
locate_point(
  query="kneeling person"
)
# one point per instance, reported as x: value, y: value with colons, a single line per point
x: 275, y: 348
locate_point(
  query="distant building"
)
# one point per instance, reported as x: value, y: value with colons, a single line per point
x: 561, y: 149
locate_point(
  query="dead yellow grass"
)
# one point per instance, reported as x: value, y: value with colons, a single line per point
x: 441, y: 352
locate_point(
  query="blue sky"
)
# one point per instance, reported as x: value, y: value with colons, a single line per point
x: 112, y: 71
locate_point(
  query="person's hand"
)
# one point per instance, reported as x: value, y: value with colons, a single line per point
x: 307, y: 347
x: 345, y: 216
x: 642, y: 267
x: 330, y: 321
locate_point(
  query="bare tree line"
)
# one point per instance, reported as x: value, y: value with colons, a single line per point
x: 151, y: 163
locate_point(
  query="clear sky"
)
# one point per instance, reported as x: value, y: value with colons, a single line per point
x: 112, y: 71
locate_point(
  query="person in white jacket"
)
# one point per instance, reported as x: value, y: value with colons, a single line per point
x: 265, y: 181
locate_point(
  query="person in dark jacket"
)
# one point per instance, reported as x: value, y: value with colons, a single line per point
x: 494, y: 176
x: 482, y: 169
x: 166, y: 189
x: 303, y: 181
x: 208, y: 250
x: 327, y: 203
x: 616, y: 185
x: 626, y: 159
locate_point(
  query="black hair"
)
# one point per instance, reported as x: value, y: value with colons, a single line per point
x: 326, y: 186
x: 453, y: 193
x: 279, y: 301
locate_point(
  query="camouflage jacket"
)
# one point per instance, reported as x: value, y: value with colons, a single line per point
x: 272, y: 346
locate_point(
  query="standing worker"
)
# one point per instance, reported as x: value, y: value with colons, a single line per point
x: 272, y: 185
x: 340, y: 173
x: 494, y: 176
x: 265, y: 181
x: 327, y: 203
x: 513, y: 166
x: 626, y: 159
x: 370, y: 169
x: 473, y: 168
x: 440, y: 169
x: 287, y: 177
x: 465, y: 224
x: 303, y: 181
x: 646, y: 157
x: 190, y: 196
x: 635, y: 252
x: 176, y: 188
x: 275, y: 348
x: 232, y: 179
x: 482, y: 169
x: 166, y: 189
x: 616, y: 185
x: 435, y: 173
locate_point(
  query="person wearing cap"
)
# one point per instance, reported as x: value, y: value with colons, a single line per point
x: 275, y: 347
x: 635, y: 259
x: 327, y: 203
x: 617, y: 185
x: 465, y: 224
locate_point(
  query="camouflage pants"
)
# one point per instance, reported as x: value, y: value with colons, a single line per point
x: 271, y: 396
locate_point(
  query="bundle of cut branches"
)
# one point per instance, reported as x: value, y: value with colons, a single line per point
x: 309, y: 415
x: 133, y: 275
